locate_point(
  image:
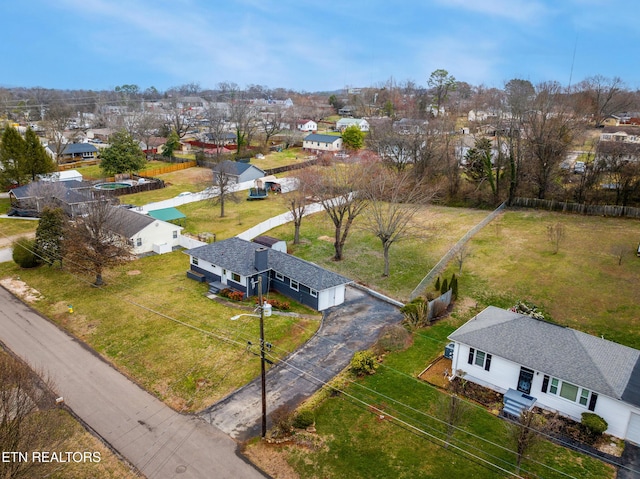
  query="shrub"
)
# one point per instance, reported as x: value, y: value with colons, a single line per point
x: 437, y: 285
x: 232, y: 295
x: 392, y: 338
x: 416, y: 313
x: 24, y: 253
x: 454, y: 287
x: 593, y: 424
x: 282, y: 420
x: 445, y: 286
x: 363, y: 362
x: 303, y: 419
x: 276, y: 304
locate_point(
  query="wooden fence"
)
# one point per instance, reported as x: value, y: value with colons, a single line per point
x: 168, y: 169
x: 577, y: 208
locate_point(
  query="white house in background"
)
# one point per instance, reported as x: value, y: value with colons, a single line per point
x: 344, y: 123
x: 319, y: 142
x: 143, y: 232
x: 307, y: 125
x: 556, y: 368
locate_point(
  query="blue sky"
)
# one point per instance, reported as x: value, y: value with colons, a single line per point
x: 312, y: 46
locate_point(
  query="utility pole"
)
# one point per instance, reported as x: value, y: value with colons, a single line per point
x: 263, y: 374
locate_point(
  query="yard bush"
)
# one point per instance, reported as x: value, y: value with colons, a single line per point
x: 24, y: 253
x: 445, y: 286
x: 437, y: 285
x: 593, y: 424
x: 303, y: 419
x: 392, y: 338
x: 363, y: 363
x: 232, y: 295
x: 277, y: 304
x: 416, y: 313
x: 282, y: 420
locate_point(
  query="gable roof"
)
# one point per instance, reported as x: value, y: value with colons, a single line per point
x: 127, y: 223
x: 238, y: 255
x: 73, y: 148
x: 24, y: 191
x: 579, y: 358
x: 235, y: 167
x: 322, y: 138
x: 266, y: 240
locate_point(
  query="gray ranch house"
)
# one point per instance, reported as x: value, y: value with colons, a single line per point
x: 318, y: 142
x: 236, y: 264
x: 534, y: 362
x: 238, y: 171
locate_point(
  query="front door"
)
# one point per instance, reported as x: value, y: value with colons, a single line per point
x: 525, y: 379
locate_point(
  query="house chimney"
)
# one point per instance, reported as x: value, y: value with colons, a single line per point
x: 261, y: 259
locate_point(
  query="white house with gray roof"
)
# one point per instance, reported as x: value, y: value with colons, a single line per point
x: 144, y: 233
x: 554, y: 367
x: 235, y: 263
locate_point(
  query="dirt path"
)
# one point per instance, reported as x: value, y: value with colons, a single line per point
x: 7, y: 241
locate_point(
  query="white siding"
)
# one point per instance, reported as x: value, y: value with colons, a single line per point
x: 158, y: 232
x: 330, y: 297
x: 504, y: 374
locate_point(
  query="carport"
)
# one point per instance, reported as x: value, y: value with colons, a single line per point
x: 171, y: 215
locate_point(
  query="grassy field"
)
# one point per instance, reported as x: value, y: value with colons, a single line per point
x: 157, y: 326
x: 355, y: 440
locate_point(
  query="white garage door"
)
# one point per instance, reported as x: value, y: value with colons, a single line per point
x: 633, y: 430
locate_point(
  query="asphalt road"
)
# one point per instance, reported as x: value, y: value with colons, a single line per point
x: 347, y: 328
x: 159, y: 442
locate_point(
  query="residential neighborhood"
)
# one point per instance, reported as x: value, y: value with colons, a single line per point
x: 331, y: 276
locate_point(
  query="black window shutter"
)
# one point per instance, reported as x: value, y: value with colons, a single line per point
x: 545, y: 383
x: 592, y: 401
x: 471, y: 353
x: 487, y: 363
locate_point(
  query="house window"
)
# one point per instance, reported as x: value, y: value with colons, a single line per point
x: 279, y: 276
x: 479, y: 358
x: 294, y: 285
x: 139, y: 242
x: 313, y: 293
x: 194, y: 260
x: 235, y: 277
x: 175, y: 234
x: 570, y: 392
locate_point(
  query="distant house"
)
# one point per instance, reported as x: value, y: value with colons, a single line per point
x: 238, y: 171
x: 236, y: 264
x: 534, y: 362
x: 225, y: 138
x: 344, y: 123
x: 66, y: 175
x: 307, y: 125
x: 622, y: 134
x: 73, y: 152
x: 69, y: 195
x: 144, y: 233
x: 322, y: 142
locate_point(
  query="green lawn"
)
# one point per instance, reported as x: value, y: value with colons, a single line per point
x: 157, y: 326
x: 407, y: 442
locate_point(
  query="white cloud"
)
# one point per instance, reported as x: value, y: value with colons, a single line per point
x: 529, y: 11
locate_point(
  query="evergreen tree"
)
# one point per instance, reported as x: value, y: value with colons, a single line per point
x: 12, y: 158
x: 454, y: 286
x: 49, y: 235
x: 437, y: 286
x: 172, y: 144
x: 124, y: 155
x: 445, y: 286
x: 353, y: 137
x: 36, y: 159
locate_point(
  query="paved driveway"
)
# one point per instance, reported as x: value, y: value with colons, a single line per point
x: 350, y: 327
x: 158, y: 441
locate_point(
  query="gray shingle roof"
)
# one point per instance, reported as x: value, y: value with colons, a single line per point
x: 234, y: 167
x: 74, y: 148
x: 237, y: 255
x: 321, y: 138
x: 594, y: 363
x: 126, y: 222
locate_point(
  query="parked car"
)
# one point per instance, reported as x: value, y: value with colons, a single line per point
x: 579, y: 167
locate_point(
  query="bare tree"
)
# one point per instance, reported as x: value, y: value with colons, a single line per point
x: 224, y: 181
x: 55, y: 121
x: 524, y: 436
x: 244, y: 117
x: 461, y: 255
x: 556, y: 235
x: 271, y: 123
x: 45, y: 194
x: 453, y: 410
x: 143, y: 126
x: 338, y: 188
x: 179, y: 120
x: 217, y: 127
x: 550, y: 129
x: 96, y: 240
x: 26, y: 419
x: 297, y: 203
x: 393, y: 200
x: 620, y: 161
x: 605, y: 96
